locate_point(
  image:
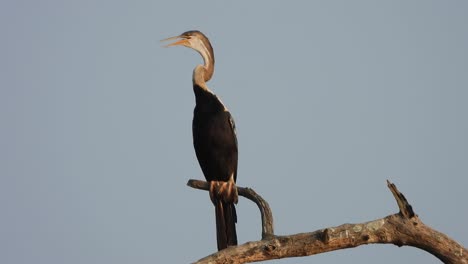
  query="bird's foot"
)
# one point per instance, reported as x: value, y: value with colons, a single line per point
x: 228, y: 192
x: 221, y: 190
x: 214, y: 186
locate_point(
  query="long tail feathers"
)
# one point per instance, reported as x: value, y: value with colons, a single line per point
x: 226, y: 219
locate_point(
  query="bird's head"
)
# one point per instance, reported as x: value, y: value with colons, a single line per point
x: 196, y: 40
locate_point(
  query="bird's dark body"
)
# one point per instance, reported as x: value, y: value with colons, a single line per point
x: 215, y: 143
x: 214, y: 138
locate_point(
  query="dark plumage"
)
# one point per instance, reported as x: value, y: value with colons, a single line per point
x: 214, y: 137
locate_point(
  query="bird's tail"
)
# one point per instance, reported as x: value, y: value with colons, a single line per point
x: 226, y: 219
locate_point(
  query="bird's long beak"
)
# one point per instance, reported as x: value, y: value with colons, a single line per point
x: 182, y: 40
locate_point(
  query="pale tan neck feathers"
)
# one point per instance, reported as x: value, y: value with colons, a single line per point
x: 203, y: 73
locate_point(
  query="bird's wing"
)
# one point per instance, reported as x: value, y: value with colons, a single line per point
x: 233, y: 127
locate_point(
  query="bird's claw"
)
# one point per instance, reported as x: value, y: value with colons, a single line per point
x: 225, y: 191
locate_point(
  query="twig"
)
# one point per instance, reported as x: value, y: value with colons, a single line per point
x: 265, y: 211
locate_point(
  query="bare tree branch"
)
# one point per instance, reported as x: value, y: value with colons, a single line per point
x: 265, y: 211
x: 401, y: 229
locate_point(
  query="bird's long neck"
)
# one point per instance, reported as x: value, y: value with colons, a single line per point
x: 205, y: 99
x: 203, y: 73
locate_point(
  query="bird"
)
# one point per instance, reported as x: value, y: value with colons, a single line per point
x: 214, y: 139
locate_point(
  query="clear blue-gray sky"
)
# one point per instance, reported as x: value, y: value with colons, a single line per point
x: 330, y: 98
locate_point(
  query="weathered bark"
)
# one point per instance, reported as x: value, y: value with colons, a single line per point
x: 265, y: 211
x: 402, y: 229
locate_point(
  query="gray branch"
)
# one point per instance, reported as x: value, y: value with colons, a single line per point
x: 401, y: 229
x: 265, y: 211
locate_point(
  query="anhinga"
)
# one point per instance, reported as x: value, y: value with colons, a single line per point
x: 214, y: 139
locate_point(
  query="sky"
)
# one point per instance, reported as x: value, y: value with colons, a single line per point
x: 330, y: 99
